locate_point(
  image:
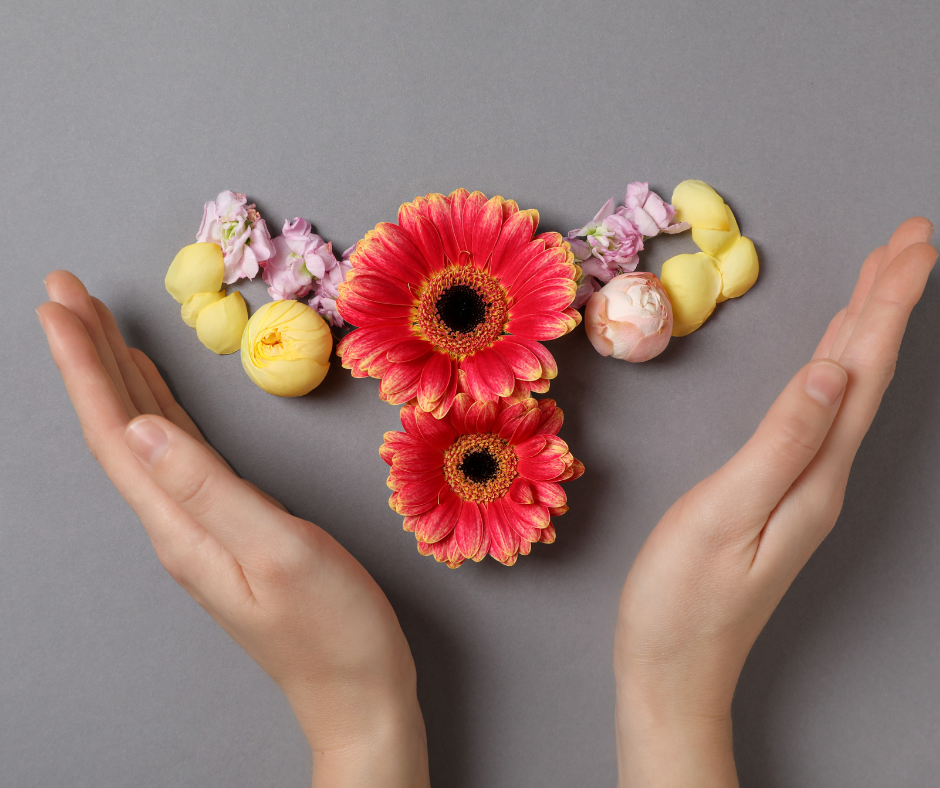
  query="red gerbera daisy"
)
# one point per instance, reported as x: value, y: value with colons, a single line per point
x: 455, y: 297
x: 482, y: 479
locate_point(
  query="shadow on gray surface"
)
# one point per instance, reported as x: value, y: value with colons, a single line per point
x: 868, y: 536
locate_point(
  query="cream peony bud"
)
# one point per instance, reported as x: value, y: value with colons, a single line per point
x: 196, y: 303
x: 220, y: 325
x: 629, y: 318
x: 286, y: 348
x: 739, y: 269
x: 693, y: 284
x: 700, y: 205
x: 717, y: 243
x: 197, y: 268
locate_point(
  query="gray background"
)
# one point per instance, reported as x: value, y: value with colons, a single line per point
x: 818, y: 121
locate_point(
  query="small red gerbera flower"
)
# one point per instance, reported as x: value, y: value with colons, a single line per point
x: 482, y: 479
x: 455, y: 297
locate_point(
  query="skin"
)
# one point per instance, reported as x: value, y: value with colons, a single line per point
x: 698, y: 594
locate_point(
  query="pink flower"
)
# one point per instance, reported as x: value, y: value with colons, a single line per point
x: 327, y: 289
x: 613, y: 240
x: 629, y: 318
x: 301, y: 258
x: 587, y: 286
x: 240, y: 231
x: 649, y: 212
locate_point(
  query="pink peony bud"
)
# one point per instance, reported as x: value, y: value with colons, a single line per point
x: 629, y: 318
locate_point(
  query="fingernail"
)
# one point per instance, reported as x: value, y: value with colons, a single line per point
x: 147, y: 439
x: 826, y: 382
x: 39, y: 315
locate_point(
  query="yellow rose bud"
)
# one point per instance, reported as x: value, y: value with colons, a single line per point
x: 220, y: 325
x: 286, y: 348
x: 700, y: 205
x: 739, y: 269
x: 196, y: 303
x: 197, y: 268
x: 693, y: 283
x: 717, y: 243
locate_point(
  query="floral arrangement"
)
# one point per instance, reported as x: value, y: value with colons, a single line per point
x: 449, y: 308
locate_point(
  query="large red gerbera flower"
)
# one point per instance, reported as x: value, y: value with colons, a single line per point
x: 482, y: 479
x: 455, y: 297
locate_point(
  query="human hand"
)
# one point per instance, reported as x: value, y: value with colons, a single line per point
x: 714, y: 568
x: 285, y: 590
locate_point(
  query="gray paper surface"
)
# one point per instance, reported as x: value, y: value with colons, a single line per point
x: 817, y: 121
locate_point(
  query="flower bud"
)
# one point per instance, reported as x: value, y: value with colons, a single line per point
x: 629, y: 318
x: 739, y: 269
x: 196, y: 303
x: 286, y: 348
x: 220, y: 325
x: 700, y: 205
x: 693, y: 284
x: 197, y: 268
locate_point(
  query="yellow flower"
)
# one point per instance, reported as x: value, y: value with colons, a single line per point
x: 739, y: 269
x: 700, y: 205
x: 286, y: 348
x: 220, y: 325
x: 693, y: 284
x: 197, y: 268
x: 196, y: 303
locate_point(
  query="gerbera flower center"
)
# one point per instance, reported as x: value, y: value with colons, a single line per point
x: 480, y: 467
x: 462, y: 310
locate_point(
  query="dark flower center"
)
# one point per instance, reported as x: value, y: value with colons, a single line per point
x: 461, y: 308
x: 479, y: 466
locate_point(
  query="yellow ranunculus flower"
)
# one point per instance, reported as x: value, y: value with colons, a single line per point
x: 220, y: 325
x: 197, y: 268
x: 286, y: 348
x: 739, y: 269
x: 196, y: 303
x: 700, y: 205
x: 693, y: 284
x: 717, y: 243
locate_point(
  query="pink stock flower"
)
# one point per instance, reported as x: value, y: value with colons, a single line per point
x: 649, y: 212
x: 327, y: 289
x: 301, y: 258
x: 629, y: 318
x: 240, y: 231
x: 611, y: 239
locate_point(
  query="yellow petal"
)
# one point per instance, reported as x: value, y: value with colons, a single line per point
x: 286, y: 348
x: 717, y: 243
x: 220, y: 326
x: 196, y: 303
x: 700, y: 205
x: 197, y: 268
x: 693, y: 283
x: 739, y: 269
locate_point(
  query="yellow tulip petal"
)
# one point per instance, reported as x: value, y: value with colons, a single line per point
x: 197, y: 268
x: 693, y: 284
x: 700, y: 205
x: 739, y: 269
x: 220, y: 326
x: 196, y: 303
x: 286, y: 348
x: 717, y: 243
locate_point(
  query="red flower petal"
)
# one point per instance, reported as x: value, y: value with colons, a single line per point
x: 439, y: 213
x: 403, y: 376
x: 363, y: 341
x: 529, y: 448
x: 419, y: 459
x: 516, y: 233
x: 504, y: 541
x: 527, y: 519
x: 402, y: 248
x: 524, y: 364
x: 473, y: 380
x: 549, y: 366
x: 549, y: 494
x: 458, y: 412
x: 547, y: 534
x: 551, y: 422
x: 424, y: 234
x: 481, y: 416
x: 408, y: 350
x: 406, y: 509
x: 538, y: 470
x: 509, y: 414
x: 440, y: 434
x: 486, y: 229
x: 556, y: 294
x: 495, y: 371
x: 436, y: 523
x: 458, y: 201
x: 515, y: 266
x: 435, y: 379
x: 521, y: 491
x: 546, y: 264
x: 353, y: 300
x: 471, y: 208
x: 379, y: 289
x: 420, y: 491
x: 526, y: 427
x: 545, y: 325
x: 373, y: 256
x: 444, y: 403
x: 398, y: 477
x: 469, y: 530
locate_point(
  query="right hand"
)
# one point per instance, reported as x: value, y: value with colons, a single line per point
x: 284, y: 589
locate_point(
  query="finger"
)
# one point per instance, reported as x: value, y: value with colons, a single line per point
x: 240, y: 518
x: 825, y: 344
x: 164, y: 397
x: 871, y: 354
x: 911, y: 231
x: 66, y: 289
x: 785, y: 442
x: 137, y: 388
